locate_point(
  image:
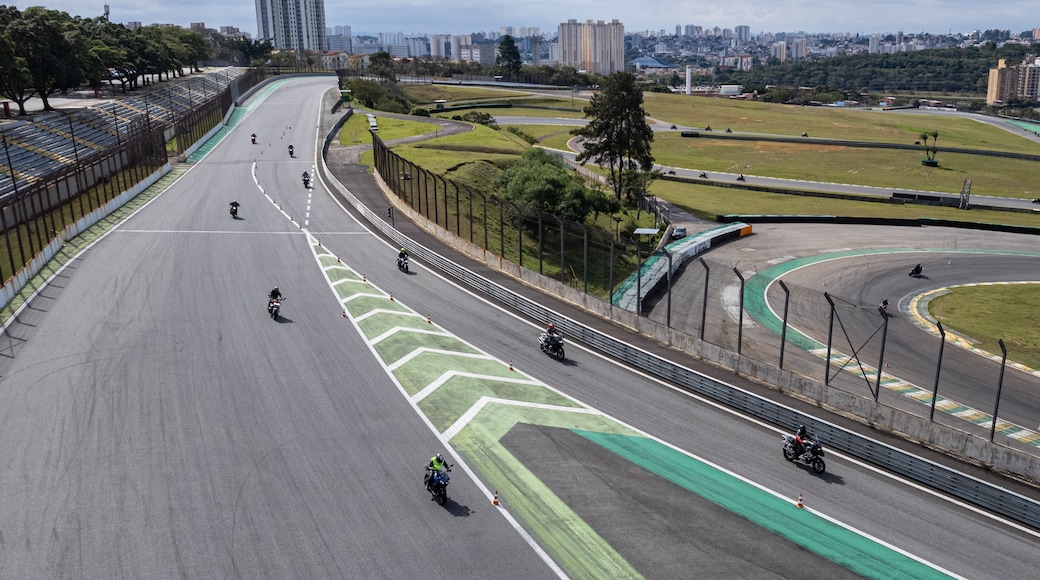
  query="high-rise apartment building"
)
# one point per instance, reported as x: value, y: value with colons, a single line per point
x: 743, y: 33
x: 292, y: 24
x: 439, y: 45
x: 456, y: 42
x: 778, y: 51
x: 1016, y: 81
x: 595, y: 47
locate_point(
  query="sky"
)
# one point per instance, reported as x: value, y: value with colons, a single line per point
x: 467, y: 16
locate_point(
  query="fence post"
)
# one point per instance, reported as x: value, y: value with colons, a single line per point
x: 704, y: 305
x: 783, y: 331
x: 740, y: 317
x: 881, y: 359
x: 938, y: 367
x: 830, y: 338
x: 1000, y: 385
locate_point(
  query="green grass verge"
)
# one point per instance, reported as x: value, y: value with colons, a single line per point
x: 708, y: 202
x: 428, y: 94
x: 989, y: 313
x: 355, y: 130
x: 892, y: 168
x: 830, y: 122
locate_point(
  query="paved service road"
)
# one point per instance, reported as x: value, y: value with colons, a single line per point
x: 156, y: 423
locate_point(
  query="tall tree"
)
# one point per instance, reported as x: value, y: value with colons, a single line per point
x: 508, y: 59
x: 617, y: 135
x: 50, y: 44
x: 15, y: 81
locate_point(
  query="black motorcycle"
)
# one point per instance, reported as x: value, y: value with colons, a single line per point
x: 306, y: 180
x: 551, y: 344
x: 740, y: 177
x: 273, y: 307
x: 916, y: 271
x: 402, y: 263
x: 253, y: 137
x: 703, y: 175
x: 811, y: 453
x: 437, y: 484
x: 234, y: 210
x: 292, y: 152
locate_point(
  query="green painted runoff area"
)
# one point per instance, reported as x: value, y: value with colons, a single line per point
x: 814, y: 533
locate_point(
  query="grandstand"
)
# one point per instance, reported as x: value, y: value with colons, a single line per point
x: 55, y: 141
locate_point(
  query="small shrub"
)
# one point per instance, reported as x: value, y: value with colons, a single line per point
x: 420, y: 112
x: 525, y: 136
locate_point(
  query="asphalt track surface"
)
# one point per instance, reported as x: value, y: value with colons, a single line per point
x: 156, y: 423
x: 857, y: 283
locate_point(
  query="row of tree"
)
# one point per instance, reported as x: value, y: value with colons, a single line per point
x: 44, y: 52
x: 948, y: 70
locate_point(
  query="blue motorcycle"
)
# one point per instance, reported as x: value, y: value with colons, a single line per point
x: 437, y: 484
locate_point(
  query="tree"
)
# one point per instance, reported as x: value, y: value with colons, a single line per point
x: 617, y: 135
x: 509, y: 58
x: 15, y: 81
x: 540, y: 180
x: 50, y: 45
x: 929, y: 150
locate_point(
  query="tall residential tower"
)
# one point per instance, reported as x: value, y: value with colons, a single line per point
x: 292, y: 24
x: 597, y: 48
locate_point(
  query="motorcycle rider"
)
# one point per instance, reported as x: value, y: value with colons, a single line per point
x: 916, y: 271
x: 436, y: 464
x: 273, y: 295
x: 553, y: 334
x: 883, y: 307
x: 800, y: 439
x: 253, y: 137
x: 234, y: 208
x: 291, y: 150
x: 401, y: 256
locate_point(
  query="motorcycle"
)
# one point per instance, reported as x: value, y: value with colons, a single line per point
x: 741, y: 177
x: 437, y: 484
x: 273, y: 307
x: 234, y: 211
x: 551, y: 344
x: 402, y: 263
x: 703, y: 175
x: 291, y: 151
x: 916, y: 271
x: 253, y: 138
x: 812, y: 453
x: 306, y: 180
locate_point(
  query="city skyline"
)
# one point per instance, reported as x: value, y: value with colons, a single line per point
x: 467, y: 16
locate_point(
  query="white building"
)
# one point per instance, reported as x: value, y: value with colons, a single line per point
x: 292, y: 24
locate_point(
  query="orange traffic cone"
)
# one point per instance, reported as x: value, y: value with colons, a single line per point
x: 494, y: 501
x: 800, y: 504
x: 511, y: 366
x: 391, y: 297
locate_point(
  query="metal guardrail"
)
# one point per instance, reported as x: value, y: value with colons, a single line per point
x: 973, y: 490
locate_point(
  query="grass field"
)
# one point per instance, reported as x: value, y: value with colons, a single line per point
x: 830, y: 122
x: 987, y: 314
x: 898, y: 169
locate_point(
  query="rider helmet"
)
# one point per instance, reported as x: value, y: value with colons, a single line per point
x: 440, y: 458
x: 801, y: 431
x: 552, y: 326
